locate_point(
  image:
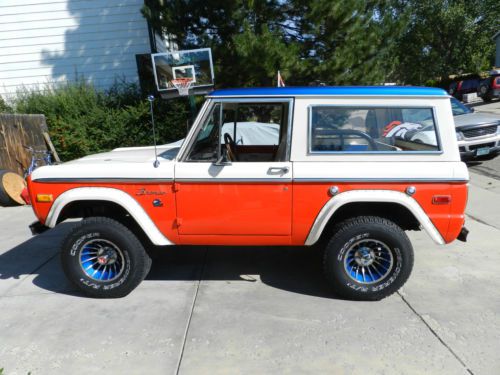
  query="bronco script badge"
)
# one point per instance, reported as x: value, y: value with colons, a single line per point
x: 143, y: 191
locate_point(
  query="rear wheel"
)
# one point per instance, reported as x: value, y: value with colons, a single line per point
x: 484, y: 93
x: 103, y: 258
x: 368, y: 258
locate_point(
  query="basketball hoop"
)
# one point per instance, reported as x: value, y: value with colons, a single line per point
x: 182, y: 85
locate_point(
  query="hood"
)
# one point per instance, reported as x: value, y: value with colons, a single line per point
x: 120, y: 163
x: 475, y: 118
x: 132, y: 154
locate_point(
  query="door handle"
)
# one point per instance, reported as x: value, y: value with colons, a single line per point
x: 278, y: 170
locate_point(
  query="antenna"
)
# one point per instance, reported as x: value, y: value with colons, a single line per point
x: 151, y: 99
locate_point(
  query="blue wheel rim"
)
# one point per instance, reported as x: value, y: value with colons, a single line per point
x: 368, y: 261
x: 101, y: 260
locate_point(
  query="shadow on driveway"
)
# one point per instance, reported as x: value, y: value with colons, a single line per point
x: 294, y: 269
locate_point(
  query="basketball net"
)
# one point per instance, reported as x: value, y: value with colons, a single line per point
x: 182, y: 85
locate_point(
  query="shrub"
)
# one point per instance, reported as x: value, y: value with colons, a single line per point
x: 83, y: 120
x: 4, y: 108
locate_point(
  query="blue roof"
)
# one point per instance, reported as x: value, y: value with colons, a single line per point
x: 331, y: 91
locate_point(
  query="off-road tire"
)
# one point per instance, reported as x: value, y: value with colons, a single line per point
x: 136, y: 262
x: 364, y: 228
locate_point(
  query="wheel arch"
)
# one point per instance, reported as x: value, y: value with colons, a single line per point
x: 393, y: 205
x: 108, y: 202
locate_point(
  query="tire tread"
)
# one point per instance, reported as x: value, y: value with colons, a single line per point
x: 131, y: 238
x: 339, y: 229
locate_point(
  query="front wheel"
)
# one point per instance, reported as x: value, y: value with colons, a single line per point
x: 368, y: 258
x: 103, y: 258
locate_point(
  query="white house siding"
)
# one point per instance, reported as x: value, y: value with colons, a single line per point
x: 49, y: 41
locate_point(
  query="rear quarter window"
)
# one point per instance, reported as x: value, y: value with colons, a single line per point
x: 335, y: 129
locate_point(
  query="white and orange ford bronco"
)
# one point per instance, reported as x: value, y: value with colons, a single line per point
x: 347, y: 169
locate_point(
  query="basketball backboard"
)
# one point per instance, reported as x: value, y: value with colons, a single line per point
x: 195, y: 64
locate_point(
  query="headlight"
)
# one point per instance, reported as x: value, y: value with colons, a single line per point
x: 460, y: 137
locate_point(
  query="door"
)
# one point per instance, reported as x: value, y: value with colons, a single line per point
x: 235, y: 178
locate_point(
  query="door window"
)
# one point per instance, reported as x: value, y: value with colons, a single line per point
x: 243, y: 132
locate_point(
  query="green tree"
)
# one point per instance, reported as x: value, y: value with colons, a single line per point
x: 444, y: 37
x: 335, y: 42
x: 348, y: 42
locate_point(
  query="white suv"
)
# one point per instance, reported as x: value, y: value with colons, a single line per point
x: 330, y: 167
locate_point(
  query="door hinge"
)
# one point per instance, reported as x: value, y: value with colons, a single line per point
x: 178, y: 222
x: 175, y: 187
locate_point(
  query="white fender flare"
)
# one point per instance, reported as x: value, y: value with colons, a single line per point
x: 111, y: 195
x: 356, y: 196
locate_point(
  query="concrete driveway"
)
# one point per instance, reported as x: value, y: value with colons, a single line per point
x: 254, y: 310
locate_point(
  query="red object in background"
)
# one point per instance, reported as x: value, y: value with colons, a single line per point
x: 26, y: 196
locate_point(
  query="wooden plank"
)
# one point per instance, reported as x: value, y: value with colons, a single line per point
x: 17, y: 131
x: 49, y: 143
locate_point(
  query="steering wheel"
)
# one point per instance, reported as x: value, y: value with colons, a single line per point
x: 230, y: 147
x: 343, y: 133
x: 364, y: 135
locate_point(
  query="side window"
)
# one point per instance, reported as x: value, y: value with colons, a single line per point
x: 253, y: 124
x: 206, y: 146
x: 243, y: 132
x: 255, y: 132
x: 367, y: 129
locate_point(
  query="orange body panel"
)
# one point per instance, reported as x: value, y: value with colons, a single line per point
x: 235, y: 240
x: 309, y: 198
x: 234, y: 209
x: 164, y: 217
x: 256, y: 214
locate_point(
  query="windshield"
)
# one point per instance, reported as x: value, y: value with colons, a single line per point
x: 458, y: 108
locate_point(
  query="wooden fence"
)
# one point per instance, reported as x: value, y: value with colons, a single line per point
x: 17, y: 131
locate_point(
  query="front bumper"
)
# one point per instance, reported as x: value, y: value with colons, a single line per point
x: 474, y: 148
x: 462, y: 236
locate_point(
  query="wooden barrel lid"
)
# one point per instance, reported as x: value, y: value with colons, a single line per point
x: 12, y: 185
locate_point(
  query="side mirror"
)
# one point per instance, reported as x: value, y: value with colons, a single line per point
x: 222, y: 161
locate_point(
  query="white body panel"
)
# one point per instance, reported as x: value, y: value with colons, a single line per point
x: 444, y: 121
x: 234, y: 172
x: 121, y: 163
x: 382, y: 171
x: 109, y: 170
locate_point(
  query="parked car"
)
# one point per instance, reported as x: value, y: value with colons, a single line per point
x: 328, y: 167
x: 458, y: 88
x: 478, y: 134
x: 489, y: 88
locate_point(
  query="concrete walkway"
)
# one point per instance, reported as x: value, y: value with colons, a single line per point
x: 254, y: 310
